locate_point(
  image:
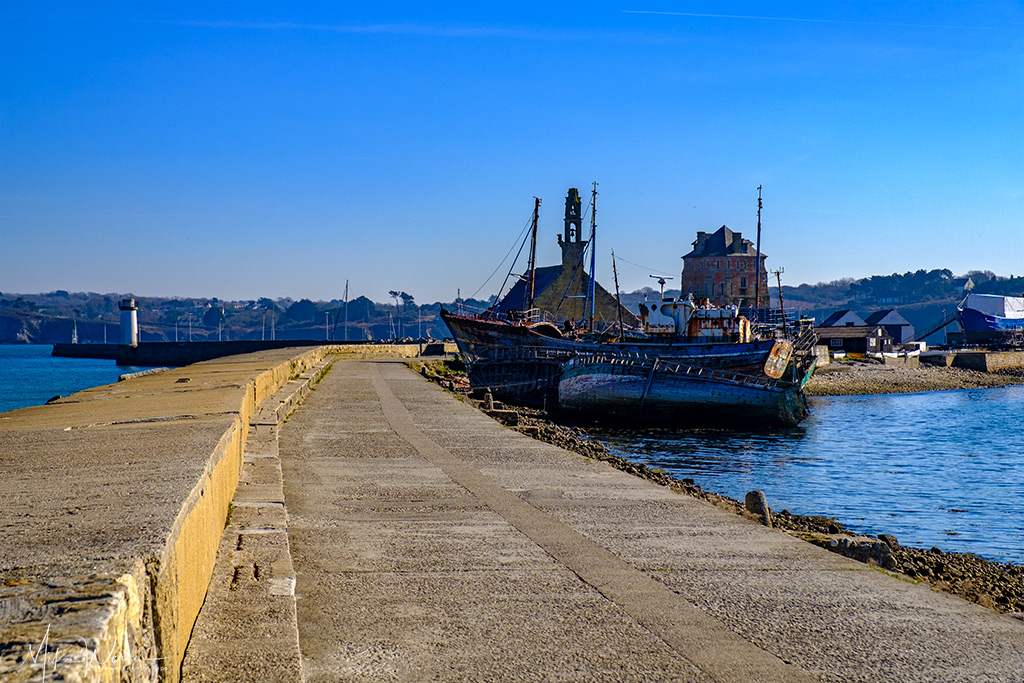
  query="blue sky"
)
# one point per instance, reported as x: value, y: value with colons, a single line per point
x: 252, y: 149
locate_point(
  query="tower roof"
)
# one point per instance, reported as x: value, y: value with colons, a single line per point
x: 722, y: 242
x: 842, y: 318
x: 889, y: 316
x: 518, y: 297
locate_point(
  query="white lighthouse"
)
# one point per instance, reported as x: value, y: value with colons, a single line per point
x: 129, y: 322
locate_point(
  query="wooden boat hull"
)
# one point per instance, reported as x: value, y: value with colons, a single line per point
x: 518, y: 363
x: 646, y: 391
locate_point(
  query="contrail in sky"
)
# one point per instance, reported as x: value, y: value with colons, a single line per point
x: 800, y: 19
x: 403, y: 29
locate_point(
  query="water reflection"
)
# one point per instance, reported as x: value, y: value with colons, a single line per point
x: 937, y: 468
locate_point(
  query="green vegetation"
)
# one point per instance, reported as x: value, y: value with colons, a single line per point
x: 881, y: 291
x: 50, y: 318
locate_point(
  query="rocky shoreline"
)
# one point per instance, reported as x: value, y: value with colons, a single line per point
x: 997, y: 586
x: 871, y: 377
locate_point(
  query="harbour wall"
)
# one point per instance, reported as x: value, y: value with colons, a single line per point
x: 981, y: 361
x: 989, y: 361
x: 186, y: 353
x: 115, y: 501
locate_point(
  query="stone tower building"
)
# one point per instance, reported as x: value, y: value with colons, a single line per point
x: 573, y: 243
x: 722, y: 269
x: 561, y: 290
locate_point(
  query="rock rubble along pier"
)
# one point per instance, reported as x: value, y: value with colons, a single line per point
x: 426, y: 542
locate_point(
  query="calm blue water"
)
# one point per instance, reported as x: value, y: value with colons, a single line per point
x: 30, y: 376
x: 941, y: 468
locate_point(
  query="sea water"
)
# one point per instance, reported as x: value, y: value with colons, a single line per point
x: 943, y: 468
x: 30, y: 376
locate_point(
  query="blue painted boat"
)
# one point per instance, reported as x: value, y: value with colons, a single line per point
x: 991, y: 319
x: 652, y: 391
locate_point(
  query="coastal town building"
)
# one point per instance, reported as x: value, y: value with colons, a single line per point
x: 722, y: 268
x: 843, y: 318
x: 898, y: 327
x: 894, y: 324
x: 858, y: 339
x: 561, y: 291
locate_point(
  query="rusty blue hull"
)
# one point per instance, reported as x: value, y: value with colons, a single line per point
x: 519, y: 363
x: 653, y: 391
x: 991, y: 319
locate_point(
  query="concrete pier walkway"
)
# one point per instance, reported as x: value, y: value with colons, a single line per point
x: 431, y: 543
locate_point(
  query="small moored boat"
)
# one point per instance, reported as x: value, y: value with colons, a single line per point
x: 653, y: 391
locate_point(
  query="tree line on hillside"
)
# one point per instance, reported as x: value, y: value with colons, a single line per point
x: 918, y: 287
x: 55, y: 316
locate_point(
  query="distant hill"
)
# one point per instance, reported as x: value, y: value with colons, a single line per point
x: 899, y: 290
x: 921, y: 297
x: 52, y: 318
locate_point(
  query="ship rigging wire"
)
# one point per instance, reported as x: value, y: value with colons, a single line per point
x: 640, y: 265
x: 520, y: 242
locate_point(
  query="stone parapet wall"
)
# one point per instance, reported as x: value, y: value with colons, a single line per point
x: 185, y: 353
x: 944, y: 360
x: 186, y: 566
x: 117, y: 497
x: 901, y: 361
x: 393, y: 350
x: 95, y: 627
x: 989, y: 361
x: 1004, y: 360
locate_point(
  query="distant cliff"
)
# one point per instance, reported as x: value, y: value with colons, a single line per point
x: 21, y: 327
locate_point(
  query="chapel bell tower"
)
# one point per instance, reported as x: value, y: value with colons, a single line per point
x: 573, y: 244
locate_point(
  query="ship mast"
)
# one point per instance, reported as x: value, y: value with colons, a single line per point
x: 782, y: 307
x: 757, y: 263
x: 618, y: 296
x: 593, y: 253
x: 533, y: 252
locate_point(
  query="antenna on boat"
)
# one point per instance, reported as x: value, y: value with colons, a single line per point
x: 533, y: 252
x: 661, y: 281
x: 593, y: 253
x: 757, y: 264
x: 682, y: 279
